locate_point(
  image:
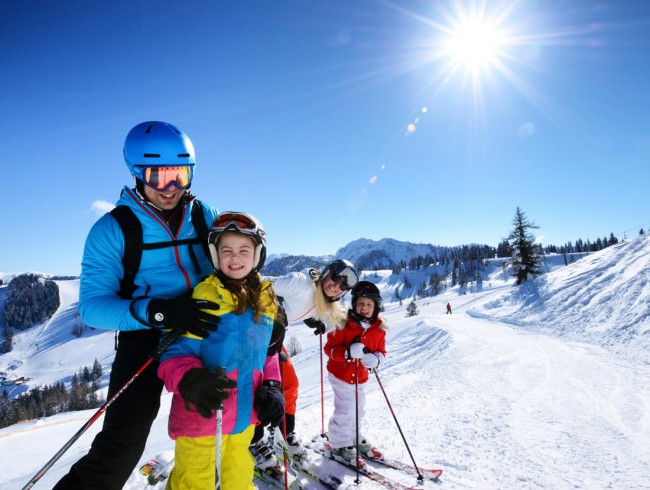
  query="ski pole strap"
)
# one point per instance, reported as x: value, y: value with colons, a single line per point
x: 166, y: 341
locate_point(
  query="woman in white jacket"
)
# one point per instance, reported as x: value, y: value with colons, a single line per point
x: 312, y: 297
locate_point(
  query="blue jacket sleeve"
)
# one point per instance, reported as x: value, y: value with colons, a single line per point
x: 101, y: 271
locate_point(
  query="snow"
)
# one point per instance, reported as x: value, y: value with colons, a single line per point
x: 542, y: 386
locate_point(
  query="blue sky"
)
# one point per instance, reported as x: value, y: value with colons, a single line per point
x: 331, y: 121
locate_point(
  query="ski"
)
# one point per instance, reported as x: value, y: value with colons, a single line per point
x: 364, y: 471
x: 328, y: 481
x: 275, y: 477
x: 155, y: 471
x: 429, y: 474
x: 300, y: 463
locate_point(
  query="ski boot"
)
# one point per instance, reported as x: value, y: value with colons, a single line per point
x: 368, y: 451
x: 265, y: 460
x: 296, y: 449
x: 347, y: 455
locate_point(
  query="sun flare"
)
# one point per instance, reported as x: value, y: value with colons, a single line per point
x: 474, y: 44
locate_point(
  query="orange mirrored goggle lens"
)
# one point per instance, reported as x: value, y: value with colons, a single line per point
x: 239, y: 220
x: 162, y: 178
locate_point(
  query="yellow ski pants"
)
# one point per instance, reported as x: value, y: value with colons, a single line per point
x: 194, y: 464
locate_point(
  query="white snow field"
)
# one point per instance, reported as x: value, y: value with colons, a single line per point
x: 541, y: 386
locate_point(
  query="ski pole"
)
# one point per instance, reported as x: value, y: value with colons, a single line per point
x: 420, y: 477
x: 275, y: 432
x: 162, y: 347
x: 322, y: 391
x: 220, y: 371
x: 287, y: 461
x: 217, y: 454
x: 356, y: 413
x: 272, y: 430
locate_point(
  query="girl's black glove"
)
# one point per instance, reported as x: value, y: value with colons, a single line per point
x: 205, y: 390
x: 269, y: 403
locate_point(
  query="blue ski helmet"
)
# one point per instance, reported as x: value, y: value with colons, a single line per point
x: 157, y: 144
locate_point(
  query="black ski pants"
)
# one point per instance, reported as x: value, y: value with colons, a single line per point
x: 116, y: 450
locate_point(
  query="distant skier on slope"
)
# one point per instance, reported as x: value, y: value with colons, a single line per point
x: 448, y: 309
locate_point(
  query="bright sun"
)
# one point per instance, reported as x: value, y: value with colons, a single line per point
x: 473, y: 44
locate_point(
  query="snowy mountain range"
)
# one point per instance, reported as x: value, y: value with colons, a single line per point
x: 546, y: 385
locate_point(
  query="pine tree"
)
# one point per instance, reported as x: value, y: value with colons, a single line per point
x: 412, y: 309
x: 97, y: 370
x: 527, y: 256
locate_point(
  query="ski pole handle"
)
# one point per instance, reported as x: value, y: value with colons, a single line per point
x: 164, y: 344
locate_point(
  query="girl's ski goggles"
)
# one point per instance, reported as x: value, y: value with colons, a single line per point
x: 239, y: 222
x: 162, y: 178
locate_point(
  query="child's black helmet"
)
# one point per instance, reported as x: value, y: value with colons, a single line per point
x: 366, y: 289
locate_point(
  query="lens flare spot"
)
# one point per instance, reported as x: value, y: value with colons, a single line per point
x: 424, y: 110
x: 373, y: 179
x: 525, y: 130
x: 410, y: 128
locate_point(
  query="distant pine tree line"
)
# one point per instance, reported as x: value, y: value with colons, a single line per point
x: 455, y: 266
x: 30, y: 299
x: 579, y: 246
x: 50, y: 400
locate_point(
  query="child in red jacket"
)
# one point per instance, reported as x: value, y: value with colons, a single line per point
x: 352, y: 350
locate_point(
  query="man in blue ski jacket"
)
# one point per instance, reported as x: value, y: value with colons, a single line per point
x: 140, y: 300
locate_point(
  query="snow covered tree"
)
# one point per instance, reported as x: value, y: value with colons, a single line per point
x: 527, y: 256
x: 293, y: 346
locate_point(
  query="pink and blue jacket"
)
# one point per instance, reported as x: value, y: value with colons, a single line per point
x: 239, y: 345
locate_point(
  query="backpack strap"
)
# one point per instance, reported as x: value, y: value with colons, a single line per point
x: 134, y: 243
x: 200, y: 226
x: 132, y: 231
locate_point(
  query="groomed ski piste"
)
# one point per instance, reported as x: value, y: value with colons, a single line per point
x: 542, y: 386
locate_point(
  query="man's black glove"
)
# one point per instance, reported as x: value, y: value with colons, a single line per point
x: 269, y: 403
x: 183, y: 312
x: 317, y: 325
x: 205, y: 390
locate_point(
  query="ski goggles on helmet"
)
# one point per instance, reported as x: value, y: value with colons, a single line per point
x: 345, y: 278
x: 239, y: 222
x: 162, y: 178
